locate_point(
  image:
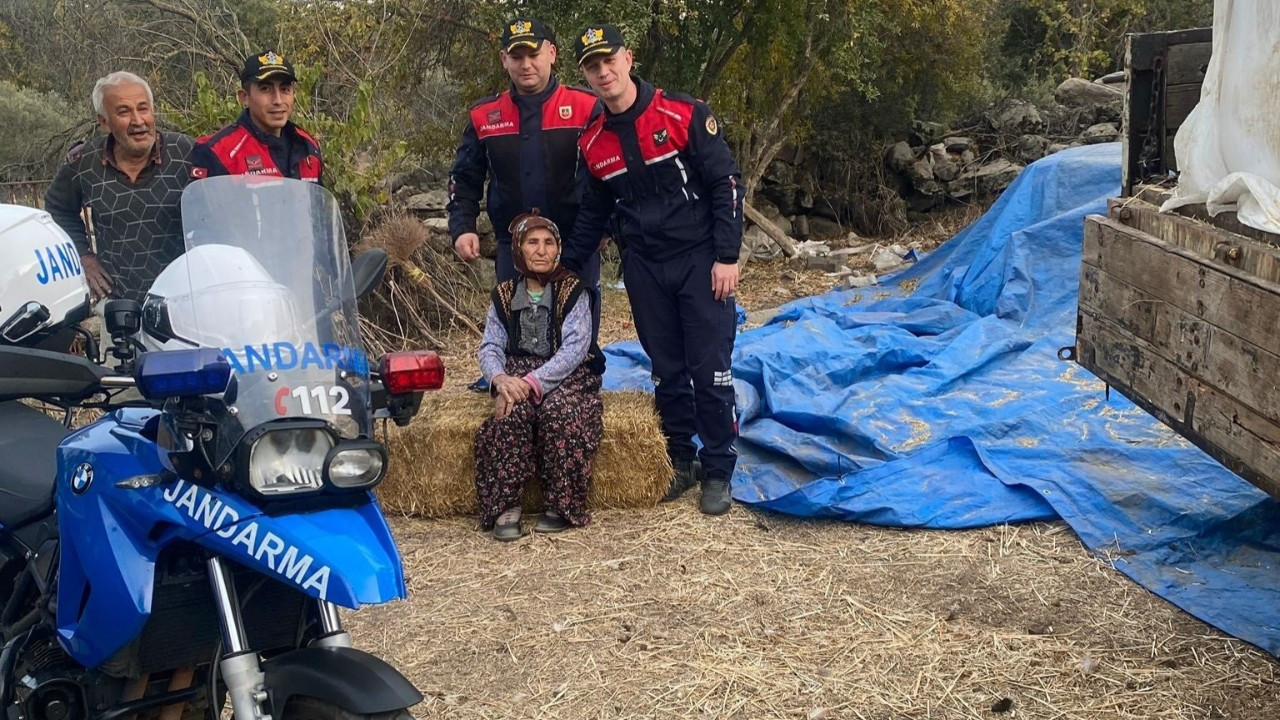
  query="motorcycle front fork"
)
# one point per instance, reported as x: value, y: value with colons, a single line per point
x: 240, y: 666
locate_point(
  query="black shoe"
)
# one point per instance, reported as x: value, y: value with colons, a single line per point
x: 550, y: 522
x: 686, y: 475
x: 715, y: 499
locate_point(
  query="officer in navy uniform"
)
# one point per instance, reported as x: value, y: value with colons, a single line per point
x: 525, y: 141
x: 263, y: 140
x: 661, y: 162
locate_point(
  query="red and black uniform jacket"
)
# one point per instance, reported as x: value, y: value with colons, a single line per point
x: 241, y: 149
x: 664, y: 167
x: 528, y: 147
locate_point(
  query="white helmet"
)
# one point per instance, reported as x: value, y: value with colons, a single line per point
x: 42, y: 285
x: 216, y: 296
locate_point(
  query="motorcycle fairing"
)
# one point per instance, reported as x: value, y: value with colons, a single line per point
x: 112, y: 536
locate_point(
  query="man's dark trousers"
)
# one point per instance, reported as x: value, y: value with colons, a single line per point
x: 688, y: 336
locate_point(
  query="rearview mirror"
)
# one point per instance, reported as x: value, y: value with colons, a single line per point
x: 368, y: 268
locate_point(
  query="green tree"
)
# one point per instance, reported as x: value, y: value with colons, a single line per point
x: 1056, y: 38
x: 37, y: 127
x: 388, y: 81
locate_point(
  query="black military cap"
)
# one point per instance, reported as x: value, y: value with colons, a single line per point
x: 598, y: 40
x: 267, y: 64
x: 526, y: 32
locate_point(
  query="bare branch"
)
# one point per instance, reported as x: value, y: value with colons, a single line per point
x: 771, y: 139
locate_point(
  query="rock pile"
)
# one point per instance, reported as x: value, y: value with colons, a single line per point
x: 936, y: 164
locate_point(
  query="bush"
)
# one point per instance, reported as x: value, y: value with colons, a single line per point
x: 37, y: 129
x: 1052, y: 39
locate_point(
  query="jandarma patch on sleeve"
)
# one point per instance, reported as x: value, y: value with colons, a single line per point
x: 712, y: 126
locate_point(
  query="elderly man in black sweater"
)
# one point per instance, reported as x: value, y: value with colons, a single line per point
x: 131, y: 180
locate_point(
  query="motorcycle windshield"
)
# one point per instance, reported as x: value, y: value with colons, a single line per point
x: 269, y: 282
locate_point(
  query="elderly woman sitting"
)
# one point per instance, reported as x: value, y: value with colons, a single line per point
x: 544, y: 373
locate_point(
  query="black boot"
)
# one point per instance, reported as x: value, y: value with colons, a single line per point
x: 716, y: 499
x: 687, y: 474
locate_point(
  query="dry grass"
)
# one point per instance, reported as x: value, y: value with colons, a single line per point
x: 631, y: 469
x: 665, y: 613
x: 769, y: 283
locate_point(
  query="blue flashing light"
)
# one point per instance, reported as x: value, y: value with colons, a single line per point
x: 182, y: 373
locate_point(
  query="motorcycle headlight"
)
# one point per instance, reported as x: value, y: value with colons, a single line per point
x: 289, y: 461
x: 358, y: 464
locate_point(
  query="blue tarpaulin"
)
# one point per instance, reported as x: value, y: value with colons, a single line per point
x: 937, y: 400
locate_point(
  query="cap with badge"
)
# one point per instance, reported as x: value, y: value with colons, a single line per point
x: 526, y: 33
x: 266, y: 65
x: 598, y: 40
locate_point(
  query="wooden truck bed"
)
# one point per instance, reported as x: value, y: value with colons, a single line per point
x: 1180, y: 312
x: 1183, y: 317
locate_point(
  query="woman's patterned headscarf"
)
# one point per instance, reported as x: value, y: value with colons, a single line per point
x: 520, y: 227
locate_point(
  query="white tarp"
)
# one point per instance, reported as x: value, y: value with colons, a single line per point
x: 1229, y: 147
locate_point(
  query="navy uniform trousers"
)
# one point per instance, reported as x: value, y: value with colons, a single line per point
x: 688, y: 336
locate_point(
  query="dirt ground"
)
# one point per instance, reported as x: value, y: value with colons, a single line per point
x: 665, y: 613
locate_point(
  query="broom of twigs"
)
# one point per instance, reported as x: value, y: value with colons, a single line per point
x: 427, y: 293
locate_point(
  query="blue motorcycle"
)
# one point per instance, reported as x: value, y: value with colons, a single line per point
x: 194, y: 543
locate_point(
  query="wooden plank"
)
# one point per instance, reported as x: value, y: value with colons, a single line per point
x: 1234, y: 436
x: 1154, y: 195
x: 1223, y: 296
x: 1243, y: 371
x: 1262, y: 260
x: 1131, y: 214
x: 1214, y: 356
x: 771, y: 229
x: 1179, y: 101
x: 1180, y: 337
x: 1187, y: 63
x: 1229, y: 222
x: 1142, y: 50
x: 1245, y: 443
x: 1188, y: 37
x: 1134, y: 368
x: 1157, y: 195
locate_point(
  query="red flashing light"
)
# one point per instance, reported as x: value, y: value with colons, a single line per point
x: 412, y: 371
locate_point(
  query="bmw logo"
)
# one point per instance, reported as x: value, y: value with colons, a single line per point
x: 82, y: 478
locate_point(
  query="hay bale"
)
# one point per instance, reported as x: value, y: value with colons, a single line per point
x: 432, y: 470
